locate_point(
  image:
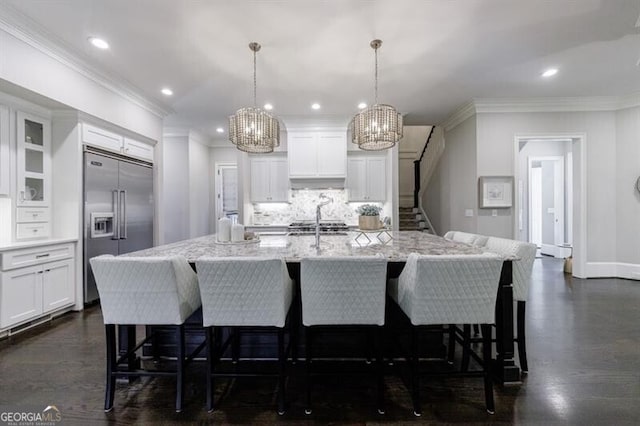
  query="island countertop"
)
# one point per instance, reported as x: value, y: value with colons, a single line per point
x: 396, y: 246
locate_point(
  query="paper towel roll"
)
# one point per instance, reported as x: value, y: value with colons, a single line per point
x: 237, y: 232
x: 224, y: 229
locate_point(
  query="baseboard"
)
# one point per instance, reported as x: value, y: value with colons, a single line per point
x: 612, y: 269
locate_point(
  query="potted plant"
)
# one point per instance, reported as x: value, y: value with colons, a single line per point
x: 369, y: 216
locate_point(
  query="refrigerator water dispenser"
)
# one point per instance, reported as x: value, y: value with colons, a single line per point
x: 102, y: 225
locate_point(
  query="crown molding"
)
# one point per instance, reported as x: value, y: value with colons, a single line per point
x: 567, y: 104
x: 189, y: 134
x: 461, y: 114
x: 28, y: 31
x: 315, y: 122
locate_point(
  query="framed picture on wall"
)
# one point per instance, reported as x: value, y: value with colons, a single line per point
x: 495, y: 192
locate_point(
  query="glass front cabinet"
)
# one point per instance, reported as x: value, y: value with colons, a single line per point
x: 34, y: 160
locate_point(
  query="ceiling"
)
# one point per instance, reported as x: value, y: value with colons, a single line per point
x: 436, y: 55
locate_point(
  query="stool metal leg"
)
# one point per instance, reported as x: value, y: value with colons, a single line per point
x: 522, y: 344
x: 282, y: 360
x: 180, y: 343
x: 488, y: 376
x: 110, y: 331
x: 451, y: 348
x: 415, y: 373
x: 210, y: 360
x: 466, y: 347
x: 380, y: 367
x: 235, y: 345
x: 308, y: 348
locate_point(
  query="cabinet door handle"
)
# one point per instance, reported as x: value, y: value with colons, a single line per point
x: 47, y: 270
x: 40, y: 256
x: 40, y: 272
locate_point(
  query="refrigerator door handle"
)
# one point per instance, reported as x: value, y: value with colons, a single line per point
x: 115, y: 205
x: 123, y: 203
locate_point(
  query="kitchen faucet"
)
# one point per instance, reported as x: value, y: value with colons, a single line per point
x: 319, y: 215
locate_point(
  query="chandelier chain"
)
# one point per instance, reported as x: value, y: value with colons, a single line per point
x: 255, y: 81
x: 376, y: 77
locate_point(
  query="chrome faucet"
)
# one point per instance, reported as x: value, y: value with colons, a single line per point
x: 328, y: 200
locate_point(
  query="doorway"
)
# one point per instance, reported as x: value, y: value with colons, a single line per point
x: 553, y: 218
x: 547, y: 204
x: 226, y: 178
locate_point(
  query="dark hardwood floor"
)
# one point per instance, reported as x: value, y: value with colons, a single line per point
x: 584, y: 368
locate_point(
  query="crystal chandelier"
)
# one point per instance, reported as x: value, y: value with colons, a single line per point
x: 252, y: 129
x: 379, y: 126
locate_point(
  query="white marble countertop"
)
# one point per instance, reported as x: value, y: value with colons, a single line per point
x: 35, y: 243
x: 294, y: 248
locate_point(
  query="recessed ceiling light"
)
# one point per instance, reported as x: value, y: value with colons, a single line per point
x: 550, y: 72
x: 166, y: 91
x: 362, y: 105
x: 315, y: 106
x: 219, y: 130
x: 268, y: 107
x: 99, y: 43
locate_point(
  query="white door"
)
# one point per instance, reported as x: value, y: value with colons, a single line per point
x: 547, y: 204
x: 20, y: 295
x: 332, y: 154
x: 376, y: 179
x: 302, y: 154
x: 226, y: 191
x: 357, y: 178
x: 278, y: 180
x: 260, y: 177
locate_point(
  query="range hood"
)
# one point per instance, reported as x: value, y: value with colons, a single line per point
x: 317, y: 183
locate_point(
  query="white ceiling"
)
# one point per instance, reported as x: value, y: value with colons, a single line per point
x: 436, y: 55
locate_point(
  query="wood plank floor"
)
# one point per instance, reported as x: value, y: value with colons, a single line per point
x: 584, y: 362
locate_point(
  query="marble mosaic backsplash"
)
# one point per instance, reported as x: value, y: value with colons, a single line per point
x: 302, y: 206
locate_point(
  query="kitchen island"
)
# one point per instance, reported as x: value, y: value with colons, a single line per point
x: 395, y: 249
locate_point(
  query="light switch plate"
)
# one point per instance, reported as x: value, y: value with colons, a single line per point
x: 468, y: 213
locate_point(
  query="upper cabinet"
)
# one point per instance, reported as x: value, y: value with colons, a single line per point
x: 269, y: 182
x: 110, y: 141
x: 33, y: 136
x: 317, y: 154
x: 5, y: 161
x: 367, y: 178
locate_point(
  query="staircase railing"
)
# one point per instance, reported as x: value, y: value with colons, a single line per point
x: 416, y: 171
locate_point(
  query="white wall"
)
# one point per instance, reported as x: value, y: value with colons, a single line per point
x: 496, y: 133
x: 627, y: 198
x: 22, y: 64
x: 199, y: 189
x: 453, y: 186
x: 175, y: 196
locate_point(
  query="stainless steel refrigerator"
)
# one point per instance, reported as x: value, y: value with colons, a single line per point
x: 118, y: 209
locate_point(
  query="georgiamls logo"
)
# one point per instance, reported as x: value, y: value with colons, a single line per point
x: 49, y: 416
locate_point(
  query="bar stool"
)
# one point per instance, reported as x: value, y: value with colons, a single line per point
x: 522, y: 268
x: 244, y: 293
x: 145, y: 291
x: 443, y: 290
x: 338, y: 292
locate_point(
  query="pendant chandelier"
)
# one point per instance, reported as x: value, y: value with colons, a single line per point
x: 379, y: 126
x: 252, y: 129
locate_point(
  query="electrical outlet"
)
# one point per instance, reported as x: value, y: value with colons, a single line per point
x: 468, y: 213
x: 494, y: 212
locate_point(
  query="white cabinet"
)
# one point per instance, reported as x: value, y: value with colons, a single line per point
x: 33, y: 160
x: 5, y: 161
x: 33, y: 179
x: 269, y: 179
x: 111, y: 141
x: 29, y: 292
x: 366, y: 178
x: 317, y: 154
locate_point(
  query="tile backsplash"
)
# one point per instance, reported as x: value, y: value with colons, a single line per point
x: 302, y: 206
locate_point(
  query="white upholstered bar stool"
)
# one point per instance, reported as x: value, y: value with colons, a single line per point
x: 243, y: 293
x: 442, y: 290
x: 339, y: 292
x: 145, y: 291
x: 467, y: 238
x: 522, y: 269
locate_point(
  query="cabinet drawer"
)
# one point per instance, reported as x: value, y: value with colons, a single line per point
x: 32, y: 230
x: 101, y: 138
x: 35, y: 255
x: 138, y: 149
x: 32, y: 214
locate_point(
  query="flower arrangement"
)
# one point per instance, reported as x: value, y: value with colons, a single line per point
x: 369, y: 210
